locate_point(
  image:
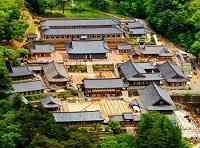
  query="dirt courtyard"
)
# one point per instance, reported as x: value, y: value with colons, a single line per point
x: 108, y: 106
x: 78, y: 77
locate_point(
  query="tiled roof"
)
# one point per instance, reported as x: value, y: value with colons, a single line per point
x: 50, y: 102
x: 131, y: 70
x: 17, y: 71
x: 27, y: 86
x: 103, y: 83
x: 84, y: 116
x: 133, y: 52
x: 79, y: 22
x: 152, y: 94
x: 158, y: 50
x: 86, y: 47
x: 135, y: 24
x: 124, y: 117
x: 137, y: 31
x: 32, y: 35
x: 172, y: 73
x: 55, y: 72
x: 82, y: 31
x: 124, y: 47
x: 42, y: 49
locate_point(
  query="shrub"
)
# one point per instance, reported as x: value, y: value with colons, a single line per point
x: 75, y: 92
x: 187, y: 94
x: 54, y: 95
x: 107, y: 128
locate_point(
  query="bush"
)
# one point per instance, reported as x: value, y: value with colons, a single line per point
x: 66, y: 94
x: 107, y: 128
x: 75, y: 92
x: 187, y: 94
x: 54, y: 95
x: 34, y: 97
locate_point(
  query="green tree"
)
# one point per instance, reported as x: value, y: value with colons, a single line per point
x: 23, y: 52
x: 115, y: 126
x: 14, y: 30
x: 195, y: 48
x: 17, y: 102
x: 11, y: 140
x: 41, y: 141
x: 118, y: 141
x: 156, y: 130
x: 6, y: 82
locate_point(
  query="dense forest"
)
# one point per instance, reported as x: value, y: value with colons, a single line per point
x: 10, y: 25
x: 178, y: 20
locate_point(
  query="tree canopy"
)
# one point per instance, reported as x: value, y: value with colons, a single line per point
x: 10, y: 26
x: 154, y: 131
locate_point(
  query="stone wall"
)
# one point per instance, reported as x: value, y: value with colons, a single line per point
x: 192, y: 101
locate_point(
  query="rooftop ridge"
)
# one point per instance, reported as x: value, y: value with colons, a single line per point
x: 156, y: 88
x: 79, y: 111
x: 54, y: 64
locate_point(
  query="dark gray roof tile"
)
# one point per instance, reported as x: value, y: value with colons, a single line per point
x: 103, y: 83
x: 79, y: 22
x: 157, y: 50
x: 137, y: 31
x: 27, y: 86
x: 50, y: 102
x: 83, y: 116
x: 16, y: 71
x: 55, y: 72
x: 152, y: 94
x: 124, y: 47
x: 172, y: 73
x: 135, y: 24
x: 86, y: 47
x: 131, y: 70
x: 82, y: 31
x: 42, y: 48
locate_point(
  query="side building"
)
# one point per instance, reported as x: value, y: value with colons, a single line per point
x: 156, y: 99
x: 21, y: 73
x: 78, y: 118
x: 28, y: 88
x: 85, y: 49
x: 173, y: 75
x: 139, y: 74
x: 55, y: 74
x: 96, y: 87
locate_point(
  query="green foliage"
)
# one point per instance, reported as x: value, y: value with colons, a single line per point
x: 8, y: 56
x: 34, y: 97
x: 10, y: 26
x: 96, y: 127
x: 115, y: 126
x: 17, y: 102
x: 102, y: 5
x: 23, y: 52
x: 54, y: 95
x: 107, y: 128
x: 75, y: 92
x: 6, y: 82
x: 66, y: 94
x: 156, y: 130
x: 119, y: 141
x: 187, y: 94
x: 44, y: 142
x: 177, y: 20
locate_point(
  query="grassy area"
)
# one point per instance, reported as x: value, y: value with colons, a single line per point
x: 82, y: 10
x: 27, y: 19
x: 76, y: 14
